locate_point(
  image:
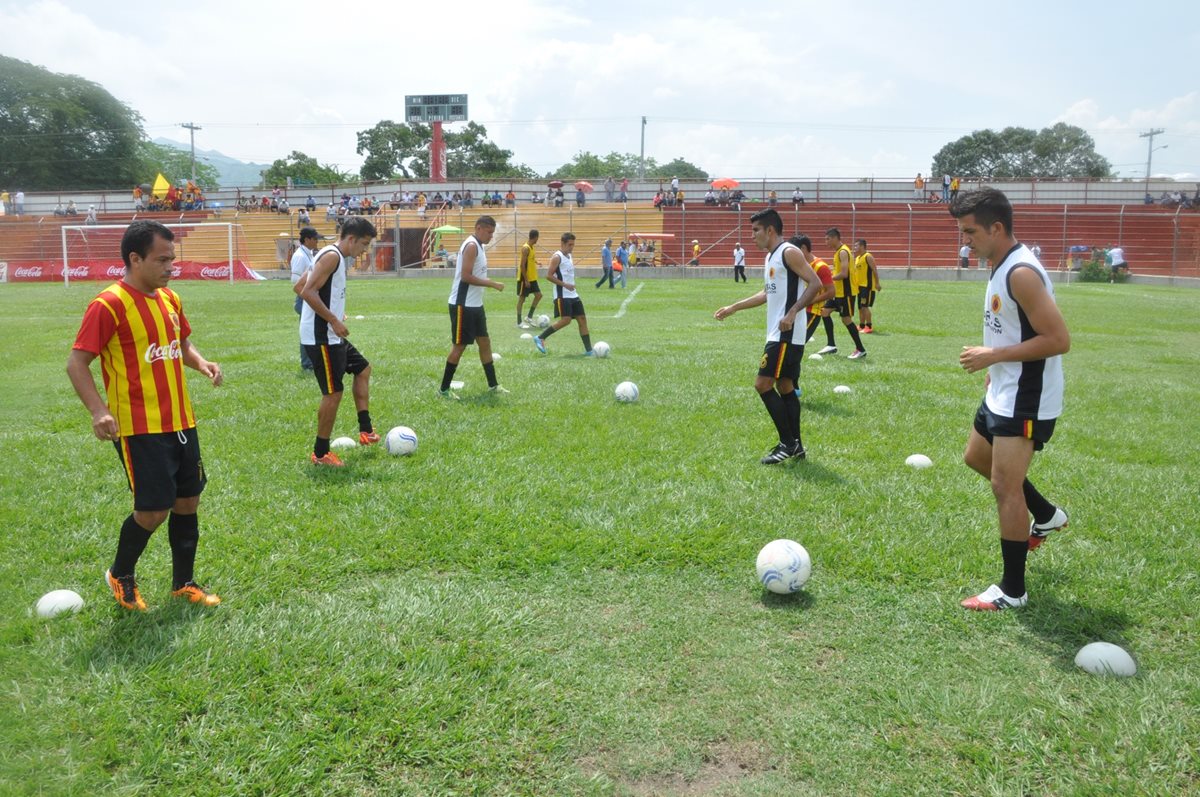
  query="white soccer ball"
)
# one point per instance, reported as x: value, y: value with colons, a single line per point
x: 627, y: 392
x: 496, y: 356
x: 526, y: 336
x: 60, y: 601
x: 815, y: 356
x: 1105, y: 658
x: 543, y: 321
x: 457, y: 384
x: 918, y: 461
x: 359, y: 317
x: 601, y: 348
x: 842, y: 389
x: 342, y: 443
x: 400, y: 441
x: 783, y: 566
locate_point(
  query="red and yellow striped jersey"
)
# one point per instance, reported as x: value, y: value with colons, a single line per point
x: 139, y: 339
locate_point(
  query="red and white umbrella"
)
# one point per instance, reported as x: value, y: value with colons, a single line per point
x: 583, y: 185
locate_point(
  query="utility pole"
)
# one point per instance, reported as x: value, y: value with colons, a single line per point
x: 193, y: 128
x: 642, y: 159
x: 1150, y: 150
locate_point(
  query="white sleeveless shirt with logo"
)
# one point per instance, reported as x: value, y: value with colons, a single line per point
x: 315, y: 330
x: 782, y: 287
x: 566, y: 273
x: 464, y: 293
x: 1024, y: 390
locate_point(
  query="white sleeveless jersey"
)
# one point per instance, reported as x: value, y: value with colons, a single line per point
x: 566, y: 273
x: 1025, y: 390
x: 315, y: 330
x: 782, y: 288
x: 464, y: 293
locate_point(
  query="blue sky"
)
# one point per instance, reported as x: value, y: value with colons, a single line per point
x: 854, y: 89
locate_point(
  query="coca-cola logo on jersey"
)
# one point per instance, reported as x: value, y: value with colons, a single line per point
x: 214, y: 273
x: 154, y: 352
x: 31, y: 272
x: 116, y: 272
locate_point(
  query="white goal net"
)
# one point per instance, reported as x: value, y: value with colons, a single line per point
x: 205, y: 250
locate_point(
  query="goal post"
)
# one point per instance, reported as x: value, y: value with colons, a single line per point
x: 206, y: 245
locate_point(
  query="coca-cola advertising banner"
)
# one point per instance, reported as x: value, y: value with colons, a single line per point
x: 108, y: 270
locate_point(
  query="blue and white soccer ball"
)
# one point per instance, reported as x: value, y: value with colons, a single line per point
x: 627, y: 392
x: 602, y: 349
x: 543, y: 321
x: 783, y: 566
x: 400, y: 441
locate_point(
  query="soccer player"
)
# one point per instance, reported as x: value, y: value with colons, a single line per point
x: 779, y: 369
x: 527, y: 280
x: 866, y: 278
x: 567, y: 304
x: 468, y: 322
x: 843, y: 296
x: 138, y: 329
x: 1024, y: 337
x: 323, y: 332
x: 739, y: 262
x: 824, y: 274
x: 302, y: 261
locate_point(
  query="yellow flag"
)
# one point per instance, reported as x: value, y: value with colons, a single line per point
x: 161, y: 186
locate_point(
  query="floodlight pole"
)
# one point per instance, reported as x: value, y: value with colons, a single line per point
x: 642, y: 157
x: 1150, y: 150
x: 192, y: 128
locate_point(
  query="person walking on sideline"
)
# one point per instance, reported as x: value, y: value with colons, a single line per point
x: 606, y: 263
x: 739, y: 262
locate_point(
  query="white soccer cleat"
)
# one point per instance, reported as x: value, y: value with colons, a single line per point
x: 993, y: 599
x: 1038, y: 532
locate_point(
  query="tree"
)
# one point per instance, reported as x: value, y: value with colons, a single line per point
x: 299, y: 166
x: 403, y: 150
x: 679, y: 168
x: 62, y: 132
x: 1017, y: 153
x: 174, y: 164
x: 618, y: 165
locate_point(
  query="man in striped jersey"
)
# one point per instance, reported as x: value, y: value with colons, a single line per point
x: 1024, y: 337
x: 777, y: 384
x: 138, y: 330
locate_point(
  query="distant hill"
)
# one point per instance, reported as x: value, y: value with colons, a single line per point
x: 232, y: 172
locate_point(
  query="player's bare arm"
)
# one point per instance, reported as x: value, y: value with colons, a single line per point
x: 79, y: 371
x: 750, y: 301
x: 874, y: 271
x: 193, y: 359
x: 1052, y: 337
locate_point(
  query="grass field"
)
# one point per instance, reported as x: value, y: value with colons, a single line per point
x: 556, y: 595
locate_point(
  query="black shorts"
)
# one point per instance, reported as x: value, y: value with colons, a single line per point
x: 466, y: 324
x: 568, y: 308
x: 842, y: 305
x: 866, y: 297
x: 161, y: 468
x: 529, y: 289
x: 781, y: 360
x: 990, y: 425
x: 332, y: 361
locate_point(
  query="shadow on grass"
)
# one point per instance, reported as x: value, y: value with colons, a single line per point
x: 795, y: 602
x: 1066, y: 627
x: 139, y: 639
x: 814, y: 472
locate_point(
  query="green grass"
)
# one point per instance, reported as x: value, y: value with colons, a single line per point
x: 556, y: 594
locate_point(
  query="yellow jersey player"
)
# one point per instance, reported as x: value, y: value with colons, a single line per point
x: 866, y: 279
x: 527, y: 280
x: 843, y: 296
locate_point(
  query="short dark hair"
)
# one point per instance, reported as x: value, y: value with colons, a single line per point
x: 987, y: 205
x: 485, y: 221
x: 139, y: 237
x: 769, y: 218
x: 358, y: 227
x: 308, y: 232
x: 862, y: 241
x: 834, y: 232
x: 567, y: 236
x: 533, y: 235
x: 802, y: 241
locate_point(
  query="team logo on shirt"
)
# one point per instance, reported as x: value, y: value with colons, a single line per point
x: 771, y: 272
x: 995, y: 303
x: 175, y: 320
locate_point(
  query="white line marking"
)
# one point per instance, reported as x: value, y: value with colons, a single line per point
x: 628, y: 299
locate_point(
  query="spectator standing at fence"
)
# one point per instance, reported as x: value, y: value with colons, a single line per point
x: 945, y: 188
x: 4, y: 200
x: 610, y: 188
x: 954, y: 183
x: 624, y: 189
x: 964, y: 256
x: 19, y: 201
x: 301, y: 263
x: 739, y: 262
x: 919, y: 188
x: 91, y: 215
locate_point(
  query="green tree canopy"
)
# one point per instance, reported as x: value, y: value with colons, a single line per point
x: 1017, y: 153
x: 64, y: 132
x: 617, y: 165
x: 402, y: 150
x: 299, y: 166
x: 175, y: 165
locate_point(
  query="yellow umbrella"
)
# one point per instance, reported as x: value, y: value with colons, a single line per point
x: 161, y: 186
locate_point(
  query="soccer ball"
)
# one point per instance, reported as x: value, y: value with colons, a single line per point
x: 343, y: 443
x: 400, y: 441
x: 783, y: 566
x: 543, y: 321
x: 627, y: 392
x: 601, y: 349
x: 1105, y: 658
x: 60, y: 601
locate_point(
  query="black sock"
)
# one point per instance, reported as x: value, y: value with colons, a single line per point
x: 811, y: 328
x: 791, y: 403
x: 775, y: 408
x: 448, y: 374
x: 184, y: 533
x: 321, y: 447
x: 1041, y: 509
x: 130, y: 545
x: 828, y: 322
x: 489, y: 370
x: 853, y: 330
x: 547, y: 332
x: 587, y: 342
x: 1014, y: 553
x: 364, y: 421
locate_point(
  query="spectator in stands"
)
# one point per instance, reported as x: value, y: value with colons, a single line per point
x: 510, y: 199
x: 274, y: 204
x: 266, y: 203
x: 421, y: 203
x: 283, y: 205
x: 558, y: 198
x: 58, y: 210
x: 71, y: 210
x: 919, y: 188
x: 91, y: 216
x: 945, y: 188
x: 736, y: 199
x: 709, y: 197
x: 1149, y: 200
x: 797, y: 197
x: 772, y: 199
x: 496, y: 199
x: 679, y: 198
x: 276, y: 192
x: 723, y: 197
x: 580, y: 197
x: 303, y: 218
x: 674, y: 185
x: 406, y: 200
x: 659, y: 200
x: 456, y: 199
x: 536, y: 198
x: 310, y: 203
x: 330, y: 212
x: 954, y: 183
x: 19, y: 203
x: 625, y: 189
x: 610, y: 189
x: 695, y: 261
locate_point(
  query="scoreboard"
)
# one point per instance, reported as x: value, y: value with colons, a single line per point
x: 424, y: 108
